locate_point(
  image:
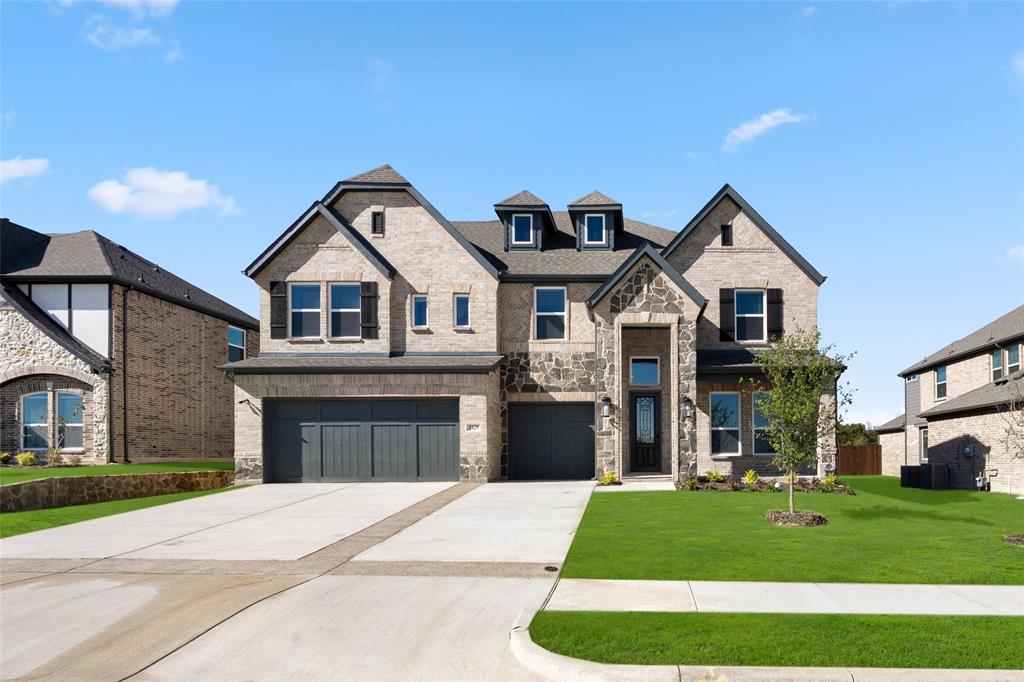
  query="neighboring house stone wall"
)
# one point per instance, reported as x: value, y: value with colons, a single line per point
x: 893, y: 453
x: 478, y: 396
x: 179, y: 403
x: 30, y: 360
x: 984, y: 432
x: 752, y: 262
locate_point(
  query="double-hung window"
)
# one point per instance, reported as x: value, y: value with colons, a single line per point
x: 762, y: 446
x: 346, y: 313
x: 549, y: 312
x: 35, y: 422
x: 236, y: 344
x: 304, y: 304
x: 70, y: 420
x: 725, y: 423
x: 751, y: 321
x: 940, y: 382
x: 1013, y: 358
x: 460, y: 311
x: 522, y: 229
x: 420, y: 318
x: 594, y: 232
x: 997, y: 364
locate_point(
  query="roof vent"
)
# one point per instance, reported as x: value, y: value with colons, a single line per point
x: 141, y: 278
x: 156, y: 268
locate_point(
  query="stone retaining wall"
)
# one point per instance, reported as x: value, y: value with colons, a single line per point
x: 65, y: 491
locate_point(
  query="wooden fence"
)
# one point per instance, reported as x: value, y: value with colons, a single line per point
x: 859, y: 459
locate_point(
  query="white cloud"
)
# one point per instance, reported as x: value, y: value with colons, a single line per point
x: 112, y: 38
x: 174, y: 52
x: 1017, y: 64
x: 808, y: 10
x: 163, y: 194
x: 382, y: 73
x: 9, y: 116
x: 750, y: 130
x: 22, y: 168
x: 1016, y: 253
x: 691, y: 155
x: 140, y: 8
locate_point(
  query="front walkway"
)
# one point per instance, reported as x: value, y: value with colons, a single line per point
x: 766, y: 597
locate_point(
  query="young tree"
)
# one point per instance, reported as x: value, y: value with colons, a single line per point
x: 1013, y: 415
x: 801, y: 400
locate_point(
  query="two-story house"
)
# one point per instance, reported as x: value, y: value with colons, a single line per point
x: 540, y: 344
x: 107, y: 356
x: 955, y: 402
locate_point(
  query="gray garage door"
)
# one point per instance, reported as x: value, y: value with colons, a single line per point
x: 551, y: 441
x: 350, y: 440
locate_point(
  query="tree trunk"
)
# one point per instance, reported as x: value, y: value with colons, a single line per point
x: 791, y: 475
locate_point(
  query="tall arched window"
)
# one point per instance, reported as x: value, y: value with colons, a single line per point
x: 70, y: 420
x: 34, y: 432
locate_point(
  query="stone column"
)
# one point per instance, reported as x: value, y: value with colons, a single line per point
x: 687, y: 349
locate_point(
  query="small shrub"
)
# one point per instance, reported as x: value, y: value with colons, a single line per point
x: 74, y: 461
x: 53, y: 458
x: 715, y: 476
x: 735, y: 485
x: 609, y: 478
x: 26, y: 459
x: 690, y: 482
x: 6, y: 458
x: 829, y: 483
x: 750, y: 478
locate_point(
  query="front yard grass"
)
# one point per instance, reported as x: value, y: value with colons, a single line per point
x: 773, y: 639
x: 883, y: 534
x: 10, y: 475
x: 16, y: 523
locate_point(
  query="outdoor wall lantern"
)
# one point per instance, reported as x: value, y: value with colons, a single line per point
x: 606, y: 406
x: 687, y: 407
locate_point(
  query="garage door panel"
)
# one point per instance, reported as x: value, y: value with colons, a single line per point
x: 394, y: 452
x: 438, y: 449
x: 341, y: 448
x: 551, y: 441
x: 286, y: 440
x: 343, y: 411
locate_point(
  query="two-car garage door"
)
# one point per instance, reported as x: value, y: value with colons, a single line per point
x: 361, y: 440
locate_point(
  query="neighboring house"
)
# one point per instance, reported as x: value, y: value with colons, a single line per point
x: 542, y: 344
x: 953, y: 399
x: 107, y: 356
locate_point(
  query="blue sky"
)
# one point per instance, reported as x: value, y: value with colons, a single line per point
x: 884, y: 140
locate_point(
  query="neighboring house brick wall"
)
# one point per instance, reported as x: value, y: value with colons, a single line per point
x: 892, y: 452
x: 961, y: 376
x: 985, y: 431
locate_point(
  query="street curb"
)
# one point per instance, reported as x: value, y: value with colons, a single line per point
x: 551, y: 666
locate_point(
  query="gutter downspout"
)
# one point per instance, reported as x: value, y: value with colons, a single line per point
x: 124, y: 370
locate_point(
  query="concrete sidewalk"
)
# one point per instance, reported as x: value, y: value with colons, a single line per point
x: 763, y: 597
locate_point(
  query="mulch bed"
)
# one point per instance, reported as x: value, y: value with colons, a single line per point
x: 1014, y: 540
x: 805, y: 485
x: 799, y: 518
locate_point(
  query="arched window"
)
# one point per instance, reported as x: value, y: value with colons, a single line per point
x: 70, y: 420
x: 34, y: 432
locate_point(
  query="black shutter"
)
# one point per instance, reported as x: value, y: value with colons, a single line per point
x: 368, y: 319
x: 378, y: 223
x: 278, y: 310
x: 726, y: 314
x: 775, y: 325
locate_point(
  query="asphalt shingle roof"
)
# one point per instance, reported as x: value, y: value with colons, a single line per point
x: 524, y: 198
x: 992, y: 394
x: 595, y: 198
x: 1005, y: 328
x: 382, y: 175
x: 284, y: 364
x: 893, y: 425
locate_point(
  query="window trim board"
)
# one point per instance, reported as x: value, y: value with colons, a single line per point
x: 657, y: 369
x: 564, y: 314
x: 319, y: 311
x: 763, y: 315
x: 738, y: 428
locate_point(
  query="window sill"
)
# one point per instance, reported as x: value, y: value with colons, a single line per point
x: 462, y: 330
x: 345, y: 339
x: 765, y: 454
x: 376, y: 236
x: 732, y: 455
x: 306, y: 339
x: 421, y: 330
x: 549, y: 340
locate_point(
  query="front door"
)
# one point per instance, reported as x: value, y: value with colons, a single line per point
x: 645, y: 436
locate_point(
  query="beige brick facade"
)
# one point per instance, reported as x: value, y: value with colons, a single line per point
x: 893, y: 452
x: 982, y: 434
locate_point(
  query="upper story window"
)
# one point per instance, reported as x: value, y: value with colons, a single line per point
x: 304, y: 307
x: 751, y: 321
x: 940, y: 382
x: 35, y: 432
x: 420, y: 318
x: 643, y: 371
x: 762, y: 446
x: 236, y: 344
x: 346, y: 311
x: 70, y: 420
x: 725, y: 423
x: 997, y: 363
x: 549, y: 312
x: 522, y: 228
x: 911, y: 377
x: 377, y: 223
x: 726, y: 235
x: 594, y: 232
x: 1013, y: 358
x: 460, y: 311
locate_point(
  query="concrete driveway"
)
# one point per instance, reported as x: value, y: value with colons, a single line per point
x: 433, y: 593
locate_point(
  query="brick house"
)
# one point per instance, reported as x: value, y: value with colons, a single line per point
x: 107, y: 356
x: 955, y: 402
x: 540, y: 344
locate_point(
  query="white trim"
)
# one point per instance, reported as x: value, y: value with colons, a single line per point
x: 754, y: 428
x: 657, y: 365
x: 232, y: 345
x: 738, y: 428
x: 922, y: 448
x: 22, y: 423
x: 455, y: 311
x: 604, y: 229
x: 56, y: 416
x: 911, y: 377
x: 736, y: 314
x: 564, y: 313
x: 533, y: 233
x: 1020, y: 351
x: 331, y: 309
x: 944, y: 382
x: 997, y: 353
x: 319, y: 311
x: 412, y: 311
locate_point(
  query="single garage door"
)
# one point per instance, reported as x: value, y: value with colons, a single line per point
x: 360, y: 440
x: 551, y: 441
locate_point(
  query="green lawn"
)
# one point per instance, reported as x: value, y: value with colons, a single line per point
x: 772, y: 639
x: 19, y: 474
x: 884, y: 534
x: 16, y: 523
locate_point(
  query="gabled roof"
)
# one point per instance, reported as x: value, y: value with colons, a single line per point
x: 1001, y: 330
x: 339, y: 223
x: 594, y: 199
x: 894, y: 425
x: 775, y: 237
x: 382, y: 175
x: 652, y: 253
x: 15, y: 298
x: 992, y: 395
x: 30, y: 256
x: 523, y: 199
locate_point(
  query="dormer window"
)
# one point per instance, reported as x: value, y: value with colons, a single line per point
x: 522, y: 229
x: 594, y: 232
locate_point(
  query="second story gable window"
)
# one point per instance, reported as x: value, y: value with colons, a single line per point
x: 460, y: 311
x: 346, y: 311
x: 522, y: 229
x: 304, y: 307
x: 997, y: 364
x: 594, y: 232
x: 940, y: 383
x: 549, y: 308
x: 420, y: 319
x: 751, y: 321
x: 1013, y: 358
x: 726, y: 235
x: 236, y: 344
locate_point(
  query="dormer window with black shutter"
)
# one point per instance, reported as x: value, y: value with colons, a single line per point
x: 525, y: 219
x: 596, y: 219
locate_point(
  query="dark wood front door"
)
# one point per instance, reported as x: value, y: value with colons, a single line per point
x: 645, y: 432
